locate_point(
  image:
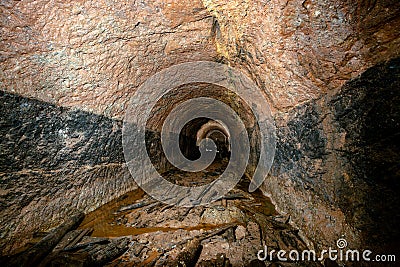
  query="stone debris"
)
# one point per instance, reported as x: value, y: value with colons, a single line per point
x: 149, y: 233
x: 213, y: 235
x: 135, y: 230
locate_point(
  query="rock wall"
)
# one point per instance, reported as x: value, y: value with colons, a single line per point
x: 69, y: 68
x: 298, y: 50
x: 92, y: 55
x: 54, y: 160
x: 336, y: 167
x: 67, y: 71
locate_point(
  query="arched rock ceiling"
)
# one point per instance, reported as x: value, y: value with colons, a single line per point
x: 179, y: 95
x: 93, y: 54
x: 297, y: 50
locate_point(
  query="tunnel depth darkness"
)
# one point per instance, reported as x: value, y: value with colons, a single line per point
x: 200, y: 128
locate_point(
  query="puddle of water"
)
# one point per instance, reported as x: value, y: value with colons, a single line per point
x: 266, y: 207
x: 103, y: 220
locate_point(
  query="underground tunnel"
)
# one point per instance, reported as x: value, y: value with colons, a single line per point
x: 74, y: 191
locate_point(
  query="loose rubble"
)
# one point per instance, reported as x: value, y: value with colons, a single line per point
x: 135, y: 230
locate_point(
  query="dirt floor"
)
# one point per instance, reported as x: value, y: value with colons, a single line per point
x: 136, y: 230
x: 228, y: 232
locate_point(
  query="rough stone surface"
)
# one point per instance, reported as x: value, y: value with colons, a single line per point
x: 94, y: 54
x: 338, y: 160
x: 52, y: 161
x: 298, y: 50
x: 336, y: 168
x: 164, y: 234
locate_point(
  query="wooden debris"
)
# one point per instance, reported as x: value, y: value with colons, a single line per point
x: 165, y: 207
x: 94, y: 241
x: 234, y: 196
x: 209, y: 234
x: 183, y: 216
x: 108, y: 252
x: 38, y: 252
x: 189, y: 255
x: 80, y: 236
x: 67, y: 239
x: 265, y: 218
x: 224, y: 202
x: 194, y: 245
x: 152, y: 207
x: 67, y: 250
x: 67, y: 259
x: 95, y: 254
x: 137, y: 249
x: 151, y: 260
x: 136, y: 205
x: 72, y: 238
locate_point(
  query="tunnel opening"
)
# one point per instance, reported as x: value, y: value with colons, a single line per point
x: 204, y: 129
x: 218, y: 133
x: 212, y: 132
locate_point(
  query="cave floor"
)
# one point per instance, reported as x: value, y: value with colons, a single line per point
x: 228, y: 232
x: 136, y: 230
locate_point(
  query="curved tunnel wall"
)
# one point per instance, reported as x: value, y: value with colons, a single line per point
x: 179, y: 95
x: 336, y: 164
x: 336, y: 168
x: 54, y: 160
x: 68, y: 70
